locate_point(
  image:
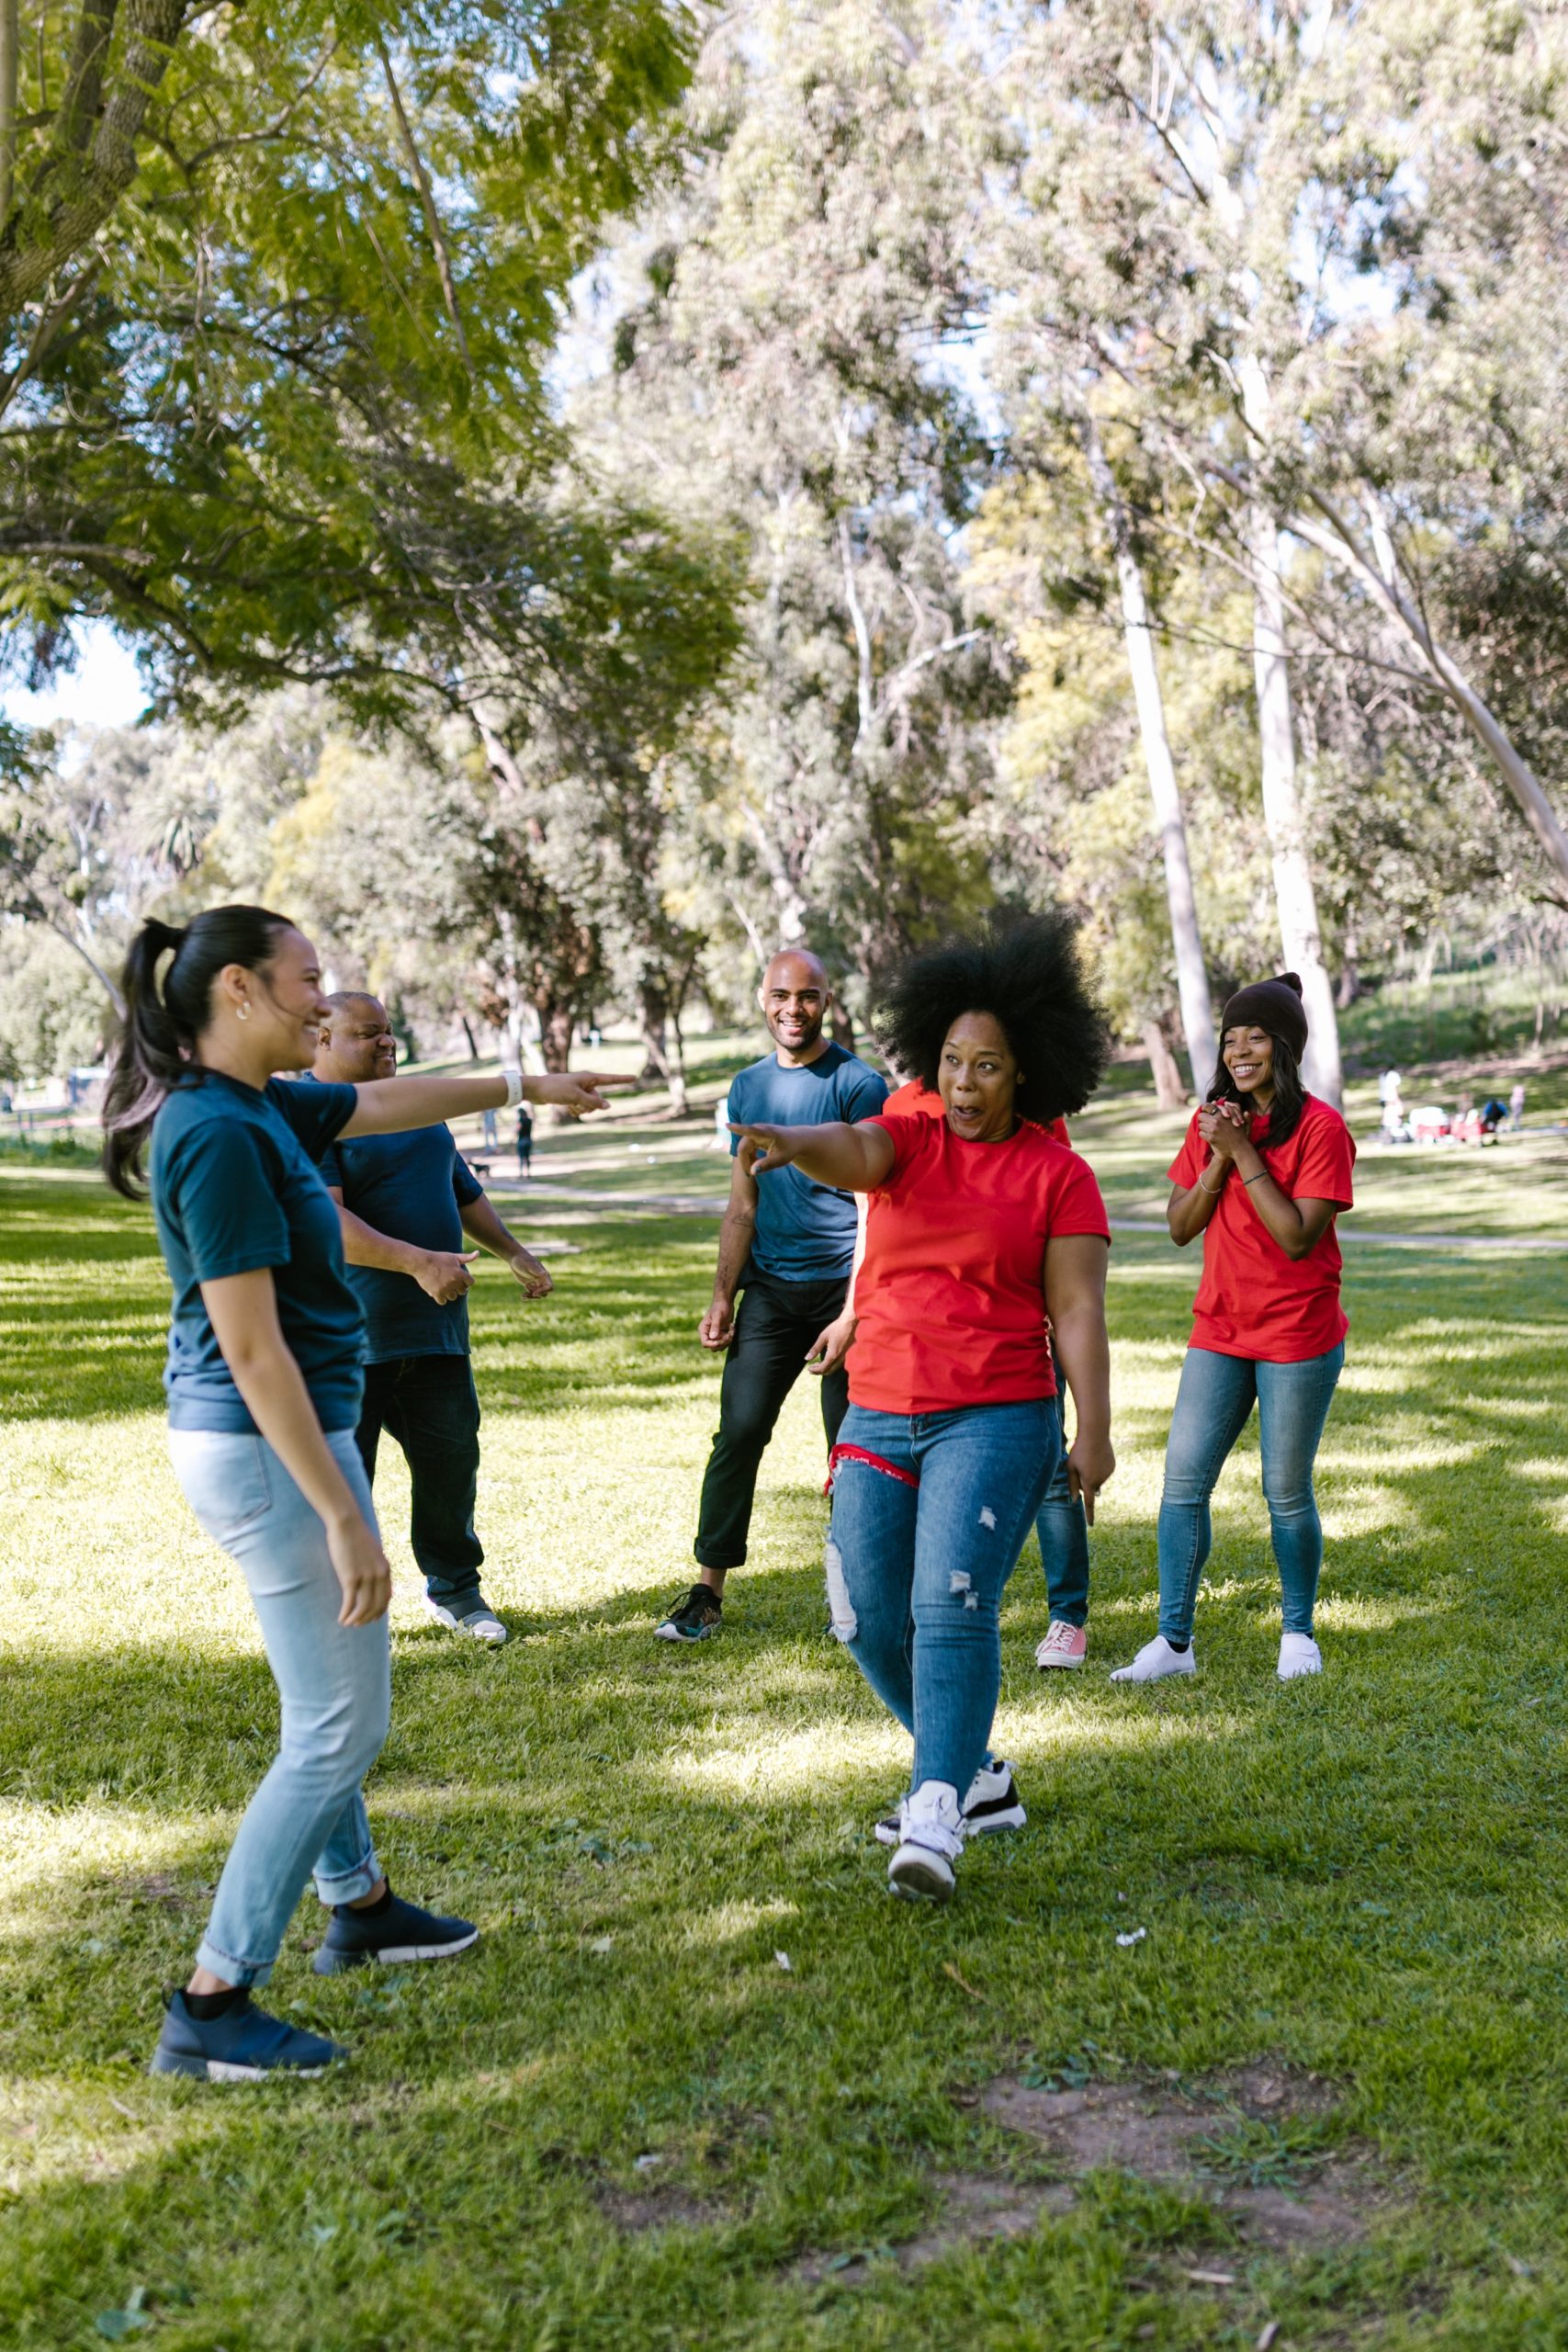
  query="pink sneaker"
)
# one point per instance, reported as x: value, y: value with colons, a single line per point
x: 1065, y: 1644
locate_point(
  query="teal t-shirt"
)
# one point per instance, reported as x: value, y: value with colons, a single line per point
x: 805, y: 1231
x: 414, y: 1186
x: 235, y: 1186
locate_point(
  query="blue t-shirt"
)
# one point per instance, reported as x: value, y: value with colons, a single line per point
x: 806, y: 1231
x: 235, y: 1186
x: 412, y: 1186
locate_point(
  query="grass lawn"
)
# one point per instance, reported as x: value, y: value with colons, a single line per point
x: 1323, y: 2092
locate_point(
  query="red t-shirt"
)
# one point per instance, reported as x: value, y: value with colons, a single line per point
x: 1253, y: 1300
x: 950, y: 1300
x: 912, y: 1096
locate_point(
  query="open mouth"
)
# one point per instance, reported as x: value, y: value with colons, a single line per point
x: 1245, y: 1072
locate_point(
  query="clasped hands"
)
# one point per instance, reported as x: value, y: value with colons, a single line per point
x: 1223, y: 1127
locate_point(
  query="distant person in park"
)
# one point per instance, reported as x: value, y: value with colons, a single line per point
x: 263, y: 1382
x: 1516, y: 1107
x: 525, y: 1142
x: 985, y: 1227
x: 1262, y: 1175
x: 1060, y: 1524
x: 408, y: 1201
x: 785, y: 1254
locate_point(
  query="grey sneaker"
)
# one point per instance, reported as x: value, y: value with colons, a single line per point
x: 479, y: 1623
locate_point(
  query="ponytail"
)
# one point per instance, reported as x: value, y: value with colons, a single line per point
x: 157, y: 1042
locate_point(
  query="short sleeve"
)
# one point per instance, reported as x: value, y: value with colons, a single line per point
x: 865, y: 1094
x: 223, y: 1196
x: 317, y: 1113
x: 465, y: 1183
x: 736, y: 1107
x: 909, y: 1137
x: 1076, y: 1203
x: 1191, y: 1161
x: 1323, y: 1172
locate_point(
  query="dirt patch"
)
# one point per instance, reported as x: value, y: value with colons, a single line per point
x: 1244, y: 2142
x: 636, y: 2211
x: 976, y: 2209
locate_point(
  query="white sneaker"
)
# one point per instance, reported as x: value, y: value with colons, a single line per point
x: 1155, y: 1660
x: 931, y: 1839
x: 1299, y: 1654
x: 480, y: 1623
x: 992, y: 1803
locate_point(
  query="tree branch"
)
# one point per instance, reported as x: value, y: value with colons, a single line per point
x: 427, y: 199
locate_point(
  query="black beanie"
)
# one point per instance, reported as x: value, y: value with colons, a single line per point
x: 1275, y: 1005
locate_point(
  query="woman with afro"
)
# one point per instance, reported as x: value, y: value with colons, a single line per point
x: 1262, y: 1175
x: 982, y: 1226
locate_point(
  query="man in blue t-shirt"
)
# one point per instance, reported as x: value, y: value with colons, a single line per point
x: 407, y: 1202
x: 787, y: 1245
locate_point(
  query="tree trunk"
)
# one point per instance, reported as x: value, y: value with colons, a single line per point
x: 842, y: 1027
x: 1349, y: 987
x: 660, y: 1064
x: 468, y: 1032
x: 555, y: 1036
x: 1192, y: 979
x: 1165, y: 1069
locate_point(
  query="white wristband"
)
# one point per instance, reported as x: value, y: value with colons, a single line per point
x: 514, y: 1088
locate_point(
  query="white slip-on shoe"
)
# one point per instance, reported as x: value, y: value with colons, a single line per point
x: 1155, y: 1660
x: 931, y: 1839
x: 480, y: 1623
x: 1299, y: 1654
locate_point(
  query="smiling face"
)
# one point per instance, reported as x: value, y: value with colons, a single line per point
x: 795, y: 1001
x: 283, y: 1000
x: 356, y: 1041
x: 1249, y: 1056
x: 977, y: 1079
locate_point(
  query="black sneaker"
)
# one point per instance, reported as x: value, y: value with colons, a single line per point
x: 395, y: 1934
x: 992, y: 1803
x: 241, y: 2045
x: 700, y: 1614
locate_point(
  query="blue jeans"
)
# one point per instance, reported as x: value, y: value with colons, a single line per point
x: 334, y: 1683
x: 1062, y: 1530
x: 925, y: 1533
x: 1212, y: 1404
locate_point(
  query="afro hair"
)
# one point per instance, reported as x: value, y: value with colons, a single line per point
x: 1025, y: 971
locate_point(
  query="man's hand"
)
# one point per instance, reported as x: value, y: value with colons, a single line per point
x: 829, y: 1347
x: 445, y: 1274
x: 765, y: 1149
x: 718, y: 1327
x: 576, y: 1091
x: 535, y: 1282
x: 1090, y: 1462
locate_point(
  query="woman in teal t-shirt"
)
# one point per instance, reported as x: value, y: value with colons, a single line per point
x: 264, y: 1385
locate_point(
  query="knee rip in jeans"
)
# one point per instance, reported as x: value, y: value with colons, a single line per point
x: 841, y: 1609
x: 960, y: 1580
x: 988, y: 1516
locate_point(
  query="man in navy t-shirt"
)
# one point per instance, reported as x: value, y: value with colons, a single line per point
x: 407, y: 1202
x: 787, y: 1245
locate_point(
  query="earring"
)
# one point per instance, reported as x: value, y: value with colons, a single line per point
x: 242, y: 1011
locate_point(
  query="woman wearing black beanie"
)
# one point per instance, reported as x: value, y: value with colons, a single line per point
x: 1264, y: 1172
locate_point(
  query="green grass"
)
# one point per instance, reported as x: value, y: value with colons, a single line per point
x: 1365, y: 1877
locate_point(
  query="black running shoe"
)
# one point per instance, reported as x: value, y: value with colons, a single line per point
x: 700, y: 1614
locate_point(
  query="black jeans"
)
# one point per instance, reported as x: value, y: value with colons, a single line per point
x: 428, y: 1404
x: 775, y: 1325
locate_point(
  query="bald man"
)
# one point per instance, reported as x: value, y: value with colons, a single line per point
x: 786, y: 1248
x: 407, y: 1203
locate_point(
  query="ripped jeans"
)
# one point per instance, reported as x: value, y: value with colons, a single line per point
x: 930, y: 1512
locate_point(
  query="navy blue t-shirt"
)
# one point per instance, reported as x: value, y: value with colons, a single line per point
x: 235, y: 1186
x: 806, y: 1231
x: 412, y: 1186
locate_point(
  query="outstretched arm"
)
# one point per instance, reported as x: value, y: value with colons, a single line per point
x: 855, y: 1160
x: 387, y: 1105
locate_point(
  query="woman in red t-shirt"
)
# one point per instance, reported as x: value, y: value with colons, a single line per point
x: 983, y: 1224
x: 1264, y: 1172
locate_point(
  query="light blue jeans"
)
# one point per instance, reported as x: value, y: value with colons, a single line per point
x: 1063, y: 1530
x: 334, y: 1683
x: 929, y: 1510
x: 1214, y: 1402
